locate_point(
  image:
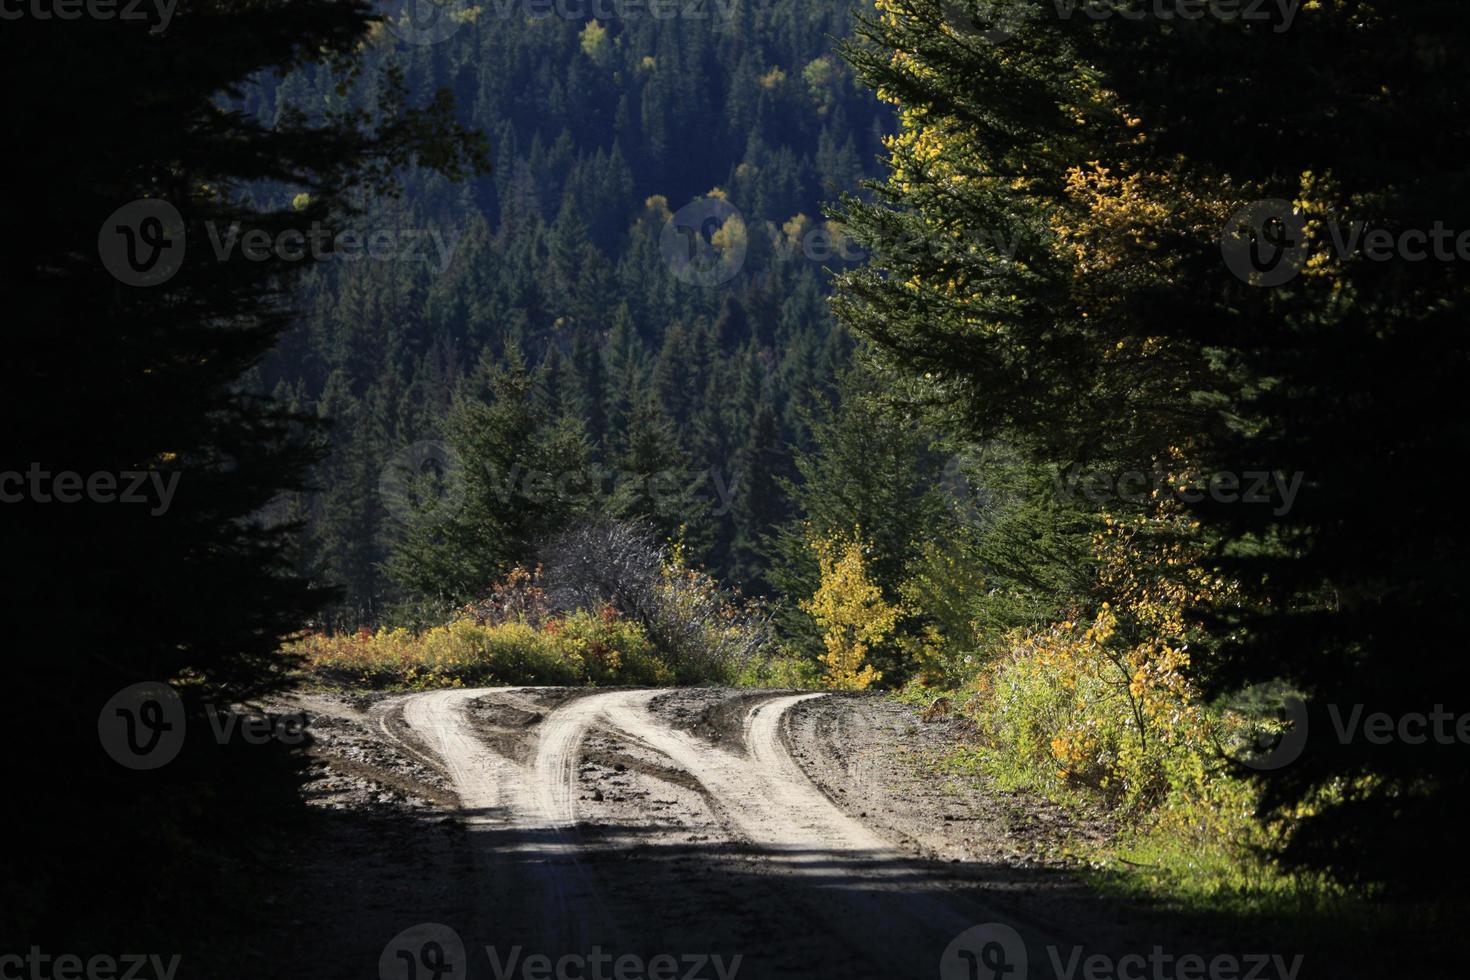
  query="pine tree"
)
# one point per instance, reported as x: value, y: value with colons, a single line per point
x: 344, y: 536
x: 626, y: 372
x: 653, y: 480
x: 592, y: 400
x: 711, y: 530
x: 1053, y: 254
x: 504, y: 480
x: 673, y: 382
x: 760, y: 505
x: 873, y: 466
x: 127, y: 356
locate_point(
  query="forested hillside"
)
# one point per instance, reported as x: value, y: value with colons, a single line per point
x: 599, y: 132
x: 728, y: 463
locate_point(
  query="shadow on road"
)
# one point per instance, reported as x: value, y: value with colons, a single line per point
x: 357, y: 881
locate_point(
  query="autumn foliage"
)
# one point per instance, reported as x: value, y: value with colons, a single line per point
x: 851, y: 612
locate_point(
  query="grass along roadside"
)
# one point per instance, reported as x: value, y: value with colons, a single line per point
x: 1209, y: 859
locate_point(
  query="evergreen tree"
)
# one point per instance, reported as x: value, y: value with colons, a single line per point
x: 130, y: 336
x: 673, y: 381
x: 1082, y: 245
x: 592, y: 401
x: 344, y: 536
x: 561, y: 248
x: 653, y: 478
x: 760, y: 465
x: 505, y: 478
x: 874, y: 472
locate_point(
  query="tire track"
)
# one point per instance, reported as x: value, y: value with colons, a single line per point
x: 866, y: 897
x: 558, y: 751
x: 479, y: 776
x: 869, y: 893
x: 538, y: 890
x: 770, y: 801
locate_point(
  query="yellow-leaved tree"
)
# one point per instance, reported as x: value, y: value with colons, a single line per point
x: 850, y: 610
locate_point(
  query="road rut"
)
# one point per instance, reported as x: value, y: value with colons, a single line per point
x: 749, y: 829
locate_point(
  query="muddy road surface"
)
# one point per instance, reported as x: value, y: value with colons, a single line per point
x: 629, y: 834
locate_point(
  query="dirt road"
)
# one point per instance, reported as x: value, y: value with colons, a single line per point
x: 712, y: 834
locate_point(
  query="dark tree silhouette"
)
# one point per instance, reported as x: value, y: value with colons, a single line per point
x: 129, y: 332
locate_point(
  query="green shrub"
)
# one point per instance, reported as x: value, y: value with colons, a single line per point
x: 608, y: 649
x: 784, y: 669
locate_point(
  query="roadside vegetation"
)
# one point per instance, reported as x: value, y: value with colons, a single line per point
x: 1172, y: 516
x: 549, y: 457
x: 610, y: 606
x: 581, y: 649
